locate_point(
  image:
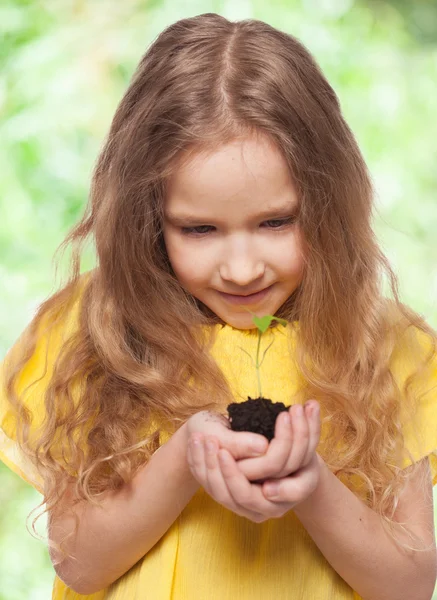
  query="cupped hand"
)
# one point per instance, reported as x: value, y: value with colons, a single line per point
x: 290, y: 462
x: 297, y: 435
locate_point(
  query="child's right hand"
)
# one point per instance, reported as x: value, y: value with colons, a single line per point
x: 240, y: 444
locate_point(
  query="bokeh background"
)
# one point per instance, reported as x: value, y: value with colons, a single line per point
x: 64, y: 67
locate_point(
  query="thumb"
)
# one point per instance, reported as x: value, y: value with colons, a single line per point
x: 244, y: 444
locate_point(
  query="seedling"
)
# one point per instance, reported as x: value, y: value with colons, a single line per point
x: 262, y: 324
x: 259, y: 414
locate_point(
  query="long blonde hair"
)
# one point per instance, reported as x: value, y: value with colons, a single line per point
x: 206, y: 81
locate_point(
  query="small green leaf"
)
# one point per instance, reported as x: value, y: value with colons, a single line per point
x: 281, y: 321
x: 263, y: 323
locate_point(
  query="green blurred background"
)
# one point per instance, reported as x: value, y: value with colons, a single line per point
x: 64, y: 67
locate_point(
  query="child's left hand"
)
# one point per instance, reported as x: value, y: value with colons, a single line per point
x: 292, y: 448
x: 290, y: 460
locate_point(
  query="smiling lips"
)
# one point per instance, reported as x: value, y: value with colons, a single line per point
x: 250, y: 299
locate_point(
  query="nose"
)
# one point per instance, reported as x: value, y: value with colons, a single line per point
x: 241, y: 266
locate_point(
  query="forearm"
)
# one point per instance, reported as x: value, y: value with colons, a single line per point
x: 352, y: 539
x: 111, y: 539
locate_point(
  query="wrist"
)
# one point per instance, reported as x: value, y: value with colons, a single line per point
x: 179, y: 443
x: 310, y: 502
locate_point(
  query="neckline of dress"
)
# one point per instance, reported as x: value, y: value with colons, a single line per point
x: 227, y: 327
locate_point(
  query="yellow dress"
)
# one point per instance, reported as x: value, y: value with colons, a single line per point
x: 210, y: 553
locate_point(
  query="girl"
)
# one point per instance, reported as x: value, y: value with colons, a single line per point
x: 229, y: 184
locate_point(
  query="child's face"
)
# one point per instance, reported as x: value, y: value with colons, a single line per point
x: 239, y: 204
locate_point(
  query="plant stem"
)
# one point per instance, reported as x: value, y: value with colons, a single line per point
x: 258, y: 365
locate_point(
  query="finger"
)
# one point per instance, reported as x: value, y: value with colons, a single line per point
x: 216, y: 484
x: 280, y: 446
x: 301, y: 436
x: 312, y: 410
x: 216, y: 487
x: 295, y: 488
x: 244, y: 444
x: 274, y: 461
x: 196, y: 458
x: 244, y: 494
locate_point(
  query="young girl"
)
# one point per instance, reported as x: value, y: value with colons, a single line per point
x: 229, y: 185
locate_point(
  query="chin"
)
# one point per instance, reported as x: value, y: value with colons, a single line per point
x: 239, y: 321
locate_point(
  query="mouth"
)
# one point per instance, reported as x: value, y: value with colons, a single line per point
x: 248, y: 299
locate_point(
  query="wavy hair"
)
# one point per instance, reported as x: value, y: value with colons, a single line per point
x: 126, y: 374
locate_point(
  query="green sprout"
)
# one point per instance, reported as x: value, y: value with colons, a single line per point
x: 262, y: 324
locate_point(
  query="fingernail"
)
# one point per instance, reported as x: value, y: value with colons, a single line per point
x: 299, y: 410
x: 313, y: 407
x: 271, y: 489
x: 286, y: 418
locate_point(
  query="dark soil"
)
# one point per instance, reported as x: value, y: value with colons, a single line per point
x: 257, y: 415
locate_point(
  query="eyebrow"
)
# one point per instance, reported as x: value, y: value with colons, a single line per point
x: 280, y: 211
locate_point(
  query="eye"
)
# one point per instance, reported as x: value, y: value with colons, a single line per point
x: 195, y: 230
x: 277, y: 223
x: 205, y: 229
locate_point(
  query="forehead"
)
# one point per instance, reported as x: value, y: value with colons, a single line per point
x: 248, y: 172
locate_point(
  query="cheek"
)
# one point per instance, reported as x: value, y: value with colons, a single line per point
x: 187, y: 262
x: 287, y: 257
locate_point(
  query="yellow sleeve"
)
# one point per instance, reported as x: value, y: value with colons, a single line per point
x: 419, y: 424
x: 31, y: 386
